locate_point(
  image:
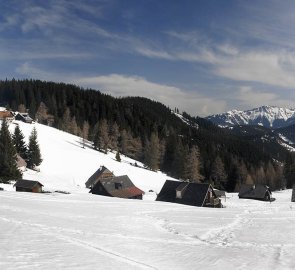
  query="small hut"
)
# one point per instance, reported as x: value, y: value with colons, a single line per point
x: 28, y: 186
x: 6, y: 115
x: 24, y: 117
x: 293, y: 194
x: 120, y: 186
x: 101, y: 173
x: 256, y: 192
x: 195, y: 194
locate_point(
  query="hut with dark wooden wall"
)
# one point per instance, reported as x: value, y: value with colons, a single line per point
x: 101, y: 173
x: 24, y: 117
x: 293, y: 194
x: 256, y: 192
x: 120, y: 186
x: 28, y: 186
x: 195, y: 194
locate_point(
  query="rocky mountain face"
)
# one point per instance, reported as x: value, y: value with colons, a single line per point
x: 267, y: 116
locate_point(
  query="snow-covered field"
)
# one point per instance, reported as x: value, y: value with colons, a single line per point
x: 85, y: 231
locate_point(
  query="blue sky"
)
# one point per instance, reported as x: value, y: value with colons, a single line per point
x: 202, y: 56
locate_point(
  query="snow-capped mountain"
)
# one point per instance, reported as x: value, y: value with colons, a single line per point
x: 267, y: 116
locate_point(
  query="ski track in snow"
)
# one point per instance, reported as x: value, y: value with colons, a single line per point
x: 85, y: 231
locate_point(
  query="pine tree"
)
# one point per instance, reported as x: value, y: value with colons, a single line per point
x: 34, y: 155
x: 192, y: 165
x: 19, y: 143
x: 289, y: 170
x: 8, y: 165
x: 41, y: 114
x: 114, y: 136
x: 218, y: 174
x: 104, y: 135
x: 85, y: 132
x: 152, y: 152
x: 118, y: 158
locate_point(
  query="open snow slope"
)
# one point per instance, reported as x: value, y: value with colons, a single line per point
x: 67, y: 166
x: 85, y: 231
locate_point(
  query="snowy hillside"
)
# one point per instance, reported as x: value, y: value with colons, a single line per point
x: 267, y: 116
x: 67, y: 166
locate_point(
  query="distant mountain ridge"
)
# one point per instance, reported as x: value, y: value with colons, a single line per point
x: 267, y: 116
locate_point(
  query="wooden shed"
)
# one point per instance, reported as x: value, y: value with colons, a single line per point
x: 24, y: 117
x: 28, y: 186
x: 293, y: 194
x: 256, y: 192
x: 120, y: 186
x: 195, y: 194
x: 101, y: 173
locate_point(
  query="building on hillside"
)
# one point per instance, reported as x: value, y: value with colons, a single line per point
x: 6, y: 115
x: 120, y: 186
x: 256, y: 192
x: 28, y: 186
x: 293, y: 194
x: 101, y: 173
x: 21, y: 163
x: 195, y: 194
x: 24, y: 117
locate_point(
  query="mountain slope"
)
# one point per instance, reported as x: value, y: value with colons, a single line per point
x: 267, y: 116
x: 67, y: 166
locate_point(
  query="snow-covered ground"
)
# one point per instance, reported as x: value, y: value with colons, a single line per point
x: 85, y: 231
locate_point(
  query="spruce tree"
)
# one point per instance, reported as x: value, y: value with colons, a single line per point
x: 19, y: 143
x: 152, y: 152
x: 34, y: 154
x: 8, y: 165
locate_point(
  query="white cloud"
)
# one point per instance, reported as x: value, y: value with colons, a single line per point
x: 262, y: 67
x: 251, y: 98
x: 120, y: 85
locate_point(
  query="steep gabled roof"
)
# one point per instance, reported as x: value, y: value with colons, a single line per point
x: 192, y: 193
x: 254, y: 191
x: 27, y: 183
x: 93, y: 178
x: 120, y: 186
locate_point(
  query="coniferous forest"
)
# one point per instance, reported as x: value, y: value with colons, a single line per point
x: 152, y: 133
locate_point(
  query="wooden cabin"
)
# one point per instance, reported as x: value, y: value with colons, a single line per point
x: 6, y: 115
x: 293, y: 194
x: 195, y: 194
x: 24, y: 117
x: 28, y: 186
x: 120, y: 186
x: 101, y: 173
x: 256, y: 192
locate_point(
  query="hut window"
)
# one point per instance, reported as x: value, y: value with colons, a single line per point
x: 178, y: 194
x: 118, y: 186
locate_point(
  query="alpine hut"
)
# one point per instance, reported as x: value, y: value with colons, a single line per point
x: 101, y: 173
x: 28, y: 186
x: 195, y: 194
x: 255, y: 192
x: 24, y: 117
x: 120, y: 186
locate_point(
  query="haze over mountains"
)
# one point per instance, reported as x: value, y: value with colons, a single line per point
x: 267, y: 116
